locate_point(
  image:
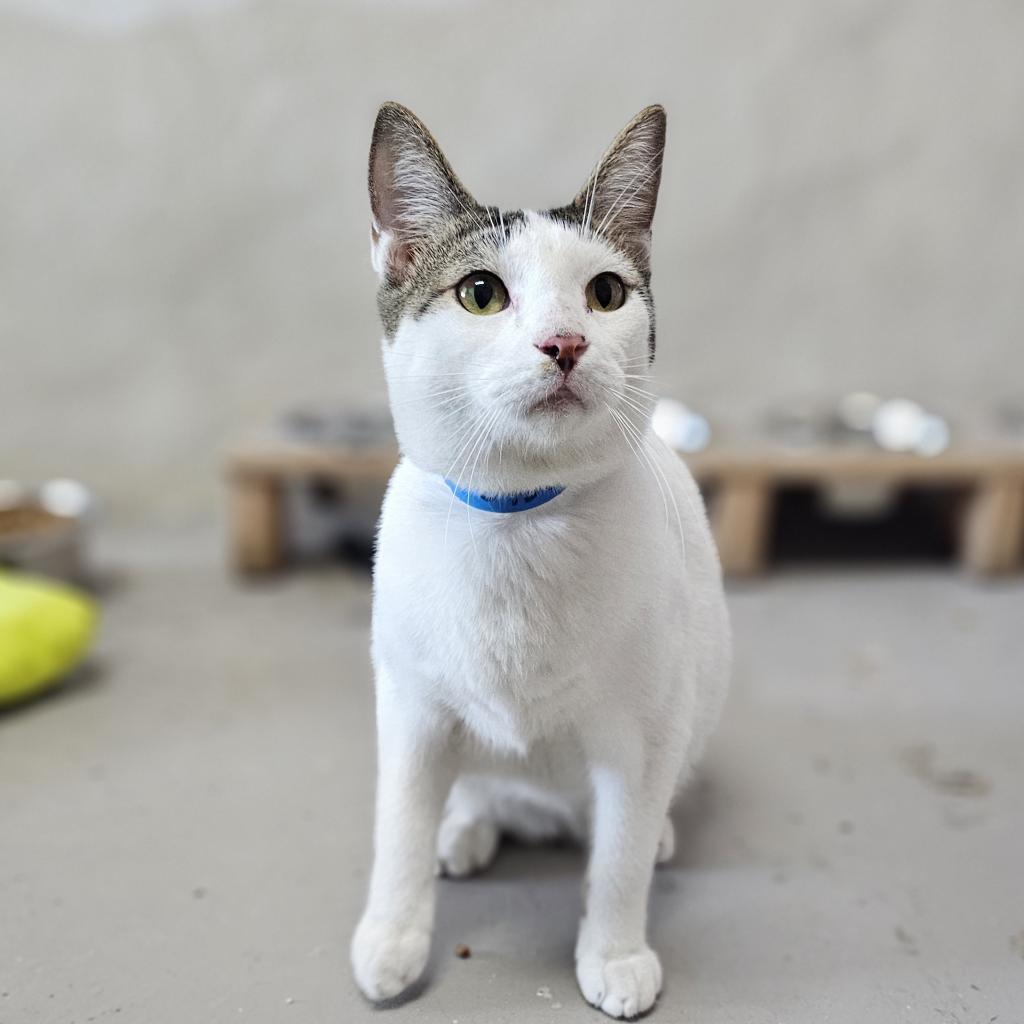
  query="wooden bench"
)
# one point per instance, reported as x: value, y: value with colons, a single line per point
x: 742, y: 480
x: 745, y: 481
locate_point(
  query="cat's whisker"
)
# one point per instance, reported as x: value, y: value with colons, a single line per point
x: 468, y: 361
x: 634, y: 406
x: 695, y: 515
x: 644, y: 440
x: 440, y: 398
x: 457, y: 389
x: 469, y: 431
x: 639, y: 392
x: 469, y: 385
x: 478, y: 427
x: 452, y: 414
x: 480, y: 437
x: 664, y: 487
x: 671, y: 494
x: 623, y: 423
x: 467, y: 364
x: 490, y: 220
x: 627, y: 377
x: 445, y: 410
x: 467, y: 437
x: 637, y: 376
x: 588, y: 206
x: 587, y: 198
x: 479, y: 450
x: 444, y: 381
x: 593, y: 195
x: 632, y: 403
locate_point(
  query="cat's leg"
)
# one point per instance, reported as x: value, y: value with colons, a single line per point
x: 470, y: 835
x: 416, y: 765
x: 482, y: 808
x: 632, y: 786
x: 667, y: 842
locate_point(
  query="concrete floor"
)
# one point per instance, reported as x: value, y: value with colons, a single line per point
x: 184, y: 831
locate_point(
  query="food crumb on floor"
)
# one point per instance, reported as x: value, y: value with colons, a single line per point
x: 462, y: 951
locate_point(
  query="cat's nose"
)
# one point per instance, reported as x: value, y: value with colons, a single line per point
x: 565, y: 349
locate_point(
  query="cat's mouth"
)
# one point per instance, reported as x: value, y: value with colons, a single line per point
x: 560, y: 398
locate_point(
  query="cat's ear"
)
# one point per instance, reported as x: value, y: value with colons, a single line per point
x: 620, y: 196
x: 413, y: 190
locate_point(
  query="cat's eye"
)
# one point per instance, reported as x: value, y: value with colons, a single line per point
x: 482, y: 293
x: 606, y: 292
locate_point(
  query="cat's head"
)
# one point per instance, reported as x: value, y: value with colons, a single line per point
x: 517, y: 343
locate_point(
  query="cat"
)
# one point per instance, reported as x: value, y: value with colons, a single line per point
x: 550, y: 637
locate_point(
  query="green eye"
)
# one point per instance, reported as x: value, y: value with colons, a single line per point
x: 606, y: 292
x: 482, y: 293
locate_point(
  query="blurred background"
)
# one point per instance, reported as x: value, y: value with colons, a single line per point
x: 184, y: 825
x: 184, y: 246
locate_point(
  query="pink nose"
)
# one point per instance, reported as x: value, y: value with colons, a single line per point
x: 565, y: 349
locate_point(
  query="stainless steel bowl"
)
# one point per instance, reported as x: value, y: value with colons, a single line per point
x: 43, y: 529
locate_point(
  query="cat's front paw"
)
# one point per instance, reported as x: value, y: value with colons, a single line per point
x: 621, y: 985
x: 387, y: 957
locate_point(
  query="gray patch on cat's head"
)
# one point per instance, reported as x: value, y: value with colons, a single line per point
x: 620, y: 196
x: 466, y: 243
x: 636, y: 254
x: 428, y: 230
x: 435, y: 231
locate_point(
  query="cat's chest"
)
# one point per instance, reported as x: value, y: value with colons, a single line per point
x: 510, y: 633
x: 513, y: 607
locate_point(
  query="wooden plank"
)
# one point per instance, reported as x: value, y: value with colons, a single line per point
x: 743, y: 479
x: 992, y: 541
x: 961, y: 465
x: 291, y: 461
x: 257, y: 523
x: 741, y: 512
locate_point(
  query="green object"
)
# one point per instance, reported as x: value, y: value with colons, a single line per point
x: 45, y: 629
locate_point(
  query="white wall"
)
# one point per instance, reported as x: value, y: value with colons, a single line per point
x: 183, y: 214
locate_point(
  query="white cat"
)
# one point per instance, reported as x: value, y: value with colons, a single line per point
x: 549, y: 632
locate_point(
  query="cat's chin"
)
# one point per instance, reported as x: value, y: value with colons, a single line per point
x: 560, y: 401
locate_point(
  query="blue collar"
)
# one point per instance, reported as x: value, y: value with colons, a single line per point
x: 504, y: 502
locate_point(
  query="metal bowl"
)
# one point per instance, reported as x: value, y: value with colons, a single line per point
x: 42, y: 530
